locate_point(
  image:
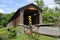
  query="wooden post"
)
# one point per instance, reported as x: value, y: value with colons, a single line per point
x: 59, y: 25
x: 21, y: 16
x: 21, y: 20
x: 40, y: 17
x: 59, y: 19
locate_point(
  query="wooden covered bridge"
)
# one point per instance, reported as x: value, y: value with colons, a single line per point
x: 29, y: 14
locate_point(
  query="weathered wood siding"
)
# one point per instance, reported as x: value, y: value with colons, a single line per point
x: 16, y: 21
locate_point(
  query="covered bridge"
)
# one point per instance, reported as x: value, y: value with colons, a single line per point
x: 23, y: 14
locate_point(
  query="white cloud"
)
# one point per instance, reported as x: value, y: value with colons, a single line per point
x: 10, y: 1
x: 2, y: 5
x: 49, y: 2
x: 17, y: 4
x: 4, y: 1
x: 52, y: 6
x: 7, y: 8
x: 11, y: 10
x: 2, y: 11
x: 30, y: 1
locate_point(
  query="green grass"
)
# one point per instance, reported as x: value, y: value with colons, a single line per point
x: 25, y: 37
x: 47, y: 38
x: 4, y: 33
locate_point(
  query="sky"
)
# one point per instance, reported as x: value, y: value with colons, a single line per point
x: 8, y: 6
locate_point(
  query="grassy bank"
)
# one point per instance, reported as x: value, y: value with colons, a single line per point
x: 4, y: 36
x: 25, y: 37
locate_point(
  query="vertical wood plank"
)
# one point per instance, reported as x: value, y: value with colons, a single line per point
x: 40, y: 17
x: 21, y: 16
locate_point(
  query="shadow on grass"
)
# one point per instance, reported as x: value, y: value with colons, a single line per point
x: 1, y: 38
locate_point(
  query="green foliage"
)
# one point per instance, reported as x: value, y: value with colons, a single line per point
x: 39, y: 3
x: 35, y: 36
x: 57, y: 2
x: 1, y: 38
x: 49, y: 16
x: 4, y: 18
x: 1, y: 18
x: 3, y: 33
x: 12, y: 32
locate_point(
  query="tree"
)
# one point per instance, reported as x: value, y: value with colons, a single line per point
x: 7, y: 17
x: 49, y: 16
x: 39, y: 3
x: 4, y: 18
x: 1, y: 18
x: 57, y: 2
x: 57, y: 9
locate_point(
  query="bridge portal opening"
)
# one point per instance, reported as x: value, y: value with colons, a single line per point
x: 34, y: 17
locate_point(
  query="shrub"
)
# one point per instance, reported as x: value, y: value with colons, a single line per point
x: 1, y: 38
x: 12, y: 32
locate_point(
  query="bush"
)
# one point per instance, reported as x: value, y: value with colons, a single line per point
x: 1, y: 38
x: 12, y: 32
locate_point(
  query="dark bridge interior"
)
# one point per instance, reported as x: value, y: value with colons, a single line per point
x: 34, y: 16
